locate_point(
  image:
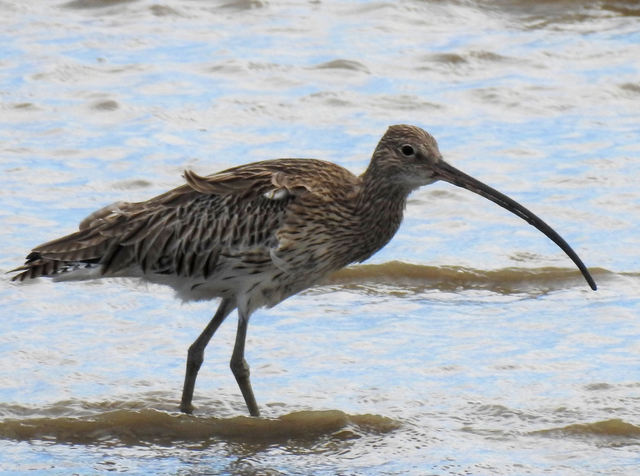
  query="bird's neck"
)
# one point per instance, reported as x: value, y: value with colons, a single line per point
x: 380, y: 206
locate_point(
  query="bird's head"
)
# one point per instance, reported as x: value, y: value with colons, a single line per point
x: 408, y: 157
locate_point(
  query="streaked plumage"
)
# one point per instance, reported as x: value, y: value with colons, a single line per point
x: 256, y: 234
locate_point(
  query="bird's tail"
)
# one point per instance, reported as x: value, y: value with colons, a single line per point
x: 37, y: 266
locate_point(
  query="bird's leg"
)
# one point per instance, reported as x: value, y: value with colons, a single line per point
x: 240, y: 368
x: 195, y: 356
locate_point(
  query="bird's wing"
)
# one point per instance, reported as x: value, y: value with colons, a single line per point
x: 186, y: 230
x: 271, y: 178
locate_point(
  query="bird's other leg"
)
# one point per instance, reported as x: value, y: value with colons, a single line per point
x: 195, y: 356
x: 239, y: 366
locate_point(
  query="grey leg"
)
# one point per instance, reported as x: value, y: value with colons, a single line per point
x: 240, y: 368
x: 195, y: 356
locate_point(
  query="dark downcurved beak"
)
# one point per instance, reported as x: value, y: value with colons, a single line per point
x: 448, y: 173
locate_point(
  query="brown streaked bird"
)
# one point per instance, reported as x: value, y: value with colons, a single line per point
x: 256, y: 234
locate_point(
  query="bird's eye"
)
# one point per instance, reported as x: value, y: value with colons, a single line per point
x: 407, y: 150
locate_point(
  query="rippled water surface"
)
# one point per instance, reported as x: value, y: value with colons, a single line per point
x: 469, y: 345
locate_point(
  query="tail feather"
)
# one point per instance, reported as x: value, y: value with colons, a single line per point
x: 37, y: 266
x: 82, y: 249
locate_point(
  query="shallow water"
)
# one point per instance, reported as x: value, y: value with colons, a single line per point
x: 469, y: 345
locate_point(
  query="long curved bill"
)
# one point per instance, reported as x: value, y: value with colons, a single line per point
x: 448, y: 173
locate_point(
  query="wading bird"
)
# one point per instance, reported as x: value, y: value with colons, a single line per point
x: 256, y: 234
